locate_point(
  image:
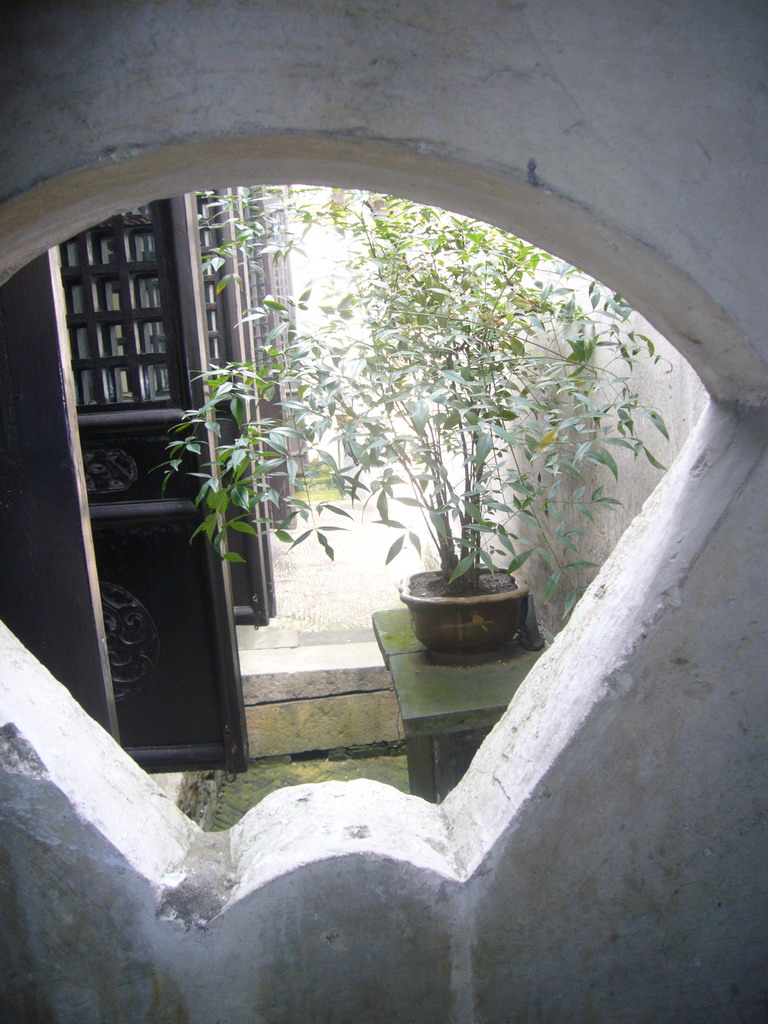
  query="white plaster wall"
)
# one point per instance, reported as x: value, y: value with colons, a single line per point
x: 673, y: 390
x: 604, y: 859
x: 633, y: 771
x: 445, y: 101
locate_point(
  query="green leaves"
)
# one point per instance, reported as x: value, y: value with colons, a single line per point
x: 242, y: 527
x: 570, y: 601
x: 438, y: 522
x: 659, y: 423
x: 652, y: 459
x: 395, y: 550
x: 603, y: 456
x: 463, y: 567
x: 457, y: 374
x: 419, y: 414
x: 232, y: 556
x: 552, y: 584
x: 483, y: 448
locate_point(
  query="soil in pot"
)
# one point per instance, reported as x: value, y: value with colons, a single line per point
x: 432, y: 584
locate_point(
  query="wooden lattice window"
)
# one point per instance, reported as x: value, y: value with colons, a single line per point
x: 213, y: 302
x: 229, y: 337
x: 119, y: 307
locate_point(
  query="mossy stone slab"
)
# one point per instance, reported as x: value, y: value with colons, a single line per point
x: 473, y: 694
x: 393, y: 632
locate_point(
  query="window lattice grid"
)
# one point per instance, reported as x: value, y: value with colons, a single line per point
x: 211, y: 239
x: 118, y: 302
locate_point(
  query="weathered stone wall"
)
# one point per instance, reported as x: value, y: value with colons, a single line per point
x: 196, y: 794
x: 318, y: 697
x: 603, y: 860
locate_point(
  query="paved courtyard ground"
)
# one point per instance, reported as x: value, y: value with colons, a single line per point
x: 315, y: 594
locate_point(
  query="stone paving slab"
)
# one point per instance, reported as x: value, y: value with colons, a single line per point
x: 439, y: 698
x: 393, y: 632
x: 266, y: 638
x: 267, y: 688
x: 323, y: 723
x: 250, y: 638
x: 311, y: 659
x: 337, y: 636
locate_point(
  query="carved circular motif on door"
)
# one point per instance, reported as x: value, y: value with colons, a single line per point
x: 133, y: 643
x: 109, y: 470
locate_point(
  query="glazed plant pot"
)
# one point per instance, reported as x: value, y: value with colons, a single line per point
x: 457, y: 625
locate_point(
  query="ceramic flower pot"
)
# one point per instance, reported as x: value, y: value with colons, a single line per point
x: 457, y: 625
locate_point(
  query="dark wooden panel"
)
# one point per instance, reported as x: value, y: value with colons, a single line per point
x: 121, y: 464
x: 166, y: 610
x: 160, y: 630
x: 48, y: 588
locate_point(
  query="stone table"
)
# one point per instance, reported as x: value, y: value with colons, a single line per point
x: 448, y: 703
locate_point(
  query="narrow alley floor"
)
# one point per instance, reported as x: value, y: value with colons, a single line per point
x: 317, y: 594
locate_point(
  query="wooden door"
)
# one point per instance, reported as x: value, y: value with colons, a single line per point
x: 135, y: 332
x: 49, y: 592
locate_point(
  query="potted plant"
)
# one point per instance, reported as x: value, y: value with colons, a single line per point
x: 462, y: 378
